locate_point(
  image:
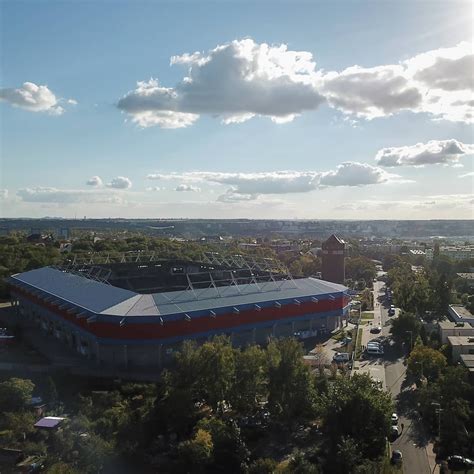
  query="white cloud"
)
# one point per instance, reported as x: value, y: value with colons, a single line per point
x: 35, y: 98
x: 67, y: 196
x: 438, y: 82
x: 415, y: 203
x: 94, y: 181
x: 467, y: 175
x: 371, y: 92
x: 447, y: 152
x: 235, y: 81
x: 187, y: 188
x: 243, y: 79
x: 120, y: 182
x: 247, y: 186
x: 232, y: 197
x: 154, y: 188
x: 355, y: 174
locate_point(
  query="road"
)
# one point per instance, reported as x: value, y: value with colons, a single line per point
x: 411, y: 442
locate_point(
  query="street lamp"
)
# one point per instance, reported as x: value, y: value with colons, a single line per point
x: 438, y: 412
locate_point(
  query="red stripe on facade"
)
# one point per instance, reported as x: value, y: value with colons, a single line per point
x: 197, y: 325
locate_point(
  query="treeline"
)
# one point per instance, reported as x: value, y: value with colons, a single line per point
x: 219, y: 409
x: 429, y: 292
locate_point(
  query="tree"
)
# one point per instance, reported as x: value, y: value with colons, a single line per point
x: 51, y: 393
x: 291, y: 386
x: 348, y: 455
x: 197, y: 452
x: 15, y: 394
x: 356, y: 407
x: 216, y: 367
x: 426, y: 361
x: 230, y: 452
x: 405, y: 328
x: 360, y: 268
x: 262, y: 466
x: 250, y: 379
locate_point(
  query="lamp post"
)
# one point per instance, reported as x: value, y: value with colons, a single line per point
x: 438, y: 412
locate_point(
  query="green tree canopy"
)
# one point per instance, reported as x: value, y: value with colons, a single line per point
x: 405, y: 328
x: 291, y: 386
x: 15, y: 393
x: 356, y: 407
x: 426, y: 361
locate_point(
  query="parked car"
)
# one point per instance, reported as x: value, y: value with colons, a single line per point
x: 394, y: 432
x: 341, y: 357
x: 346, y: 340
x: 394, y: 419
x: 376, y: 329
x: 397, y: 457
x: 374, y: 350
x: 459, y: 463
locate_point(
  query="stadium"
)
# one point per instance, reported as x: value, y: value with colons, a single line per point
x: 135, y: 311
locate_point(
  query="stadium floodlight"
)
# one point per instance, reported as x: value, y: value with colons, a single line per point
x: 212, y: 314
x: 123, y: 321
x: 187, y: 317
x: 277, y: 304
x: 235, y: 310
x: 332, y: 298
x: 258, y: 308
x: 161, y: 321
x: 314, y: 299
x: 297, y: 302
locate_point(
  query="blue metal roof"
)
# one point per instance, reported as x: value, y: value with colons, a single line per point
x: 100, y: 298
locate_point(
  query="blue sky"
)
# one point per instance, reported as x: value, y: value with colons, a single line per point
x: 93, y: 53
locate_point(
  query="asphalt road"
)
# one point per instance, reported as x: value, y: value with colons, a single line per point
x: 411, y: 441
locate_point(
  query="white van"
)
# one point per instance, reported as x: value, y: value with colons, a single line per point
x: 374, y: 350
x: 341, y: 357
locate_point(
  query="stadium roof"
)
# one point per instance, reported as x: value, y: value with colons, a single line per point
x: 101, y: 298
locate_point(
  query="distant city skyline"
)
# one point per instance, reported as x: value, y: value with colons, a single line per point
x: 324, y: 110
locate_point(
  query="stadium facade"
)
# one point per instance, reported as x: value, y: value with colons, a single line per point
x: 121, y: 328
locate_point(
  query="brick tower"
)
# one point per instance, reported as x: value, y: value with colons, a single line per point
x: 333, y: 268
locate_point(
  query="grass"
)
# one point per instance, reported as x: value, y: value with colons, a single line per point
x: 367, y: 316
x: 339, y: 335
x: 358, y: 349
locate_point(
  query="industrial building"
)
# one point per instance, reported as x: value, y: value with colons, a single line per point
x: 92, y: 308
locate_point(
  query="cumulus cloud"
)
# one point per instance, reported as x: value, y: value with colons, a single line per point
x: 94, y: 181
x: 438, y: 82
x: 35, y: 98
x: 371, y: 92
x: 66, y: 196
x: 235, y: 81
x: 447, y: 152
x: 243, y: 79
x: 187, y: 188
x: 354, y: 174
x: 247, y: 186
x: 120, y: 182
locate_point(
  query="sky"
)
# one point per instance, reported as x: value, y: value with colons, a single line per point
x: 229, y: 109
